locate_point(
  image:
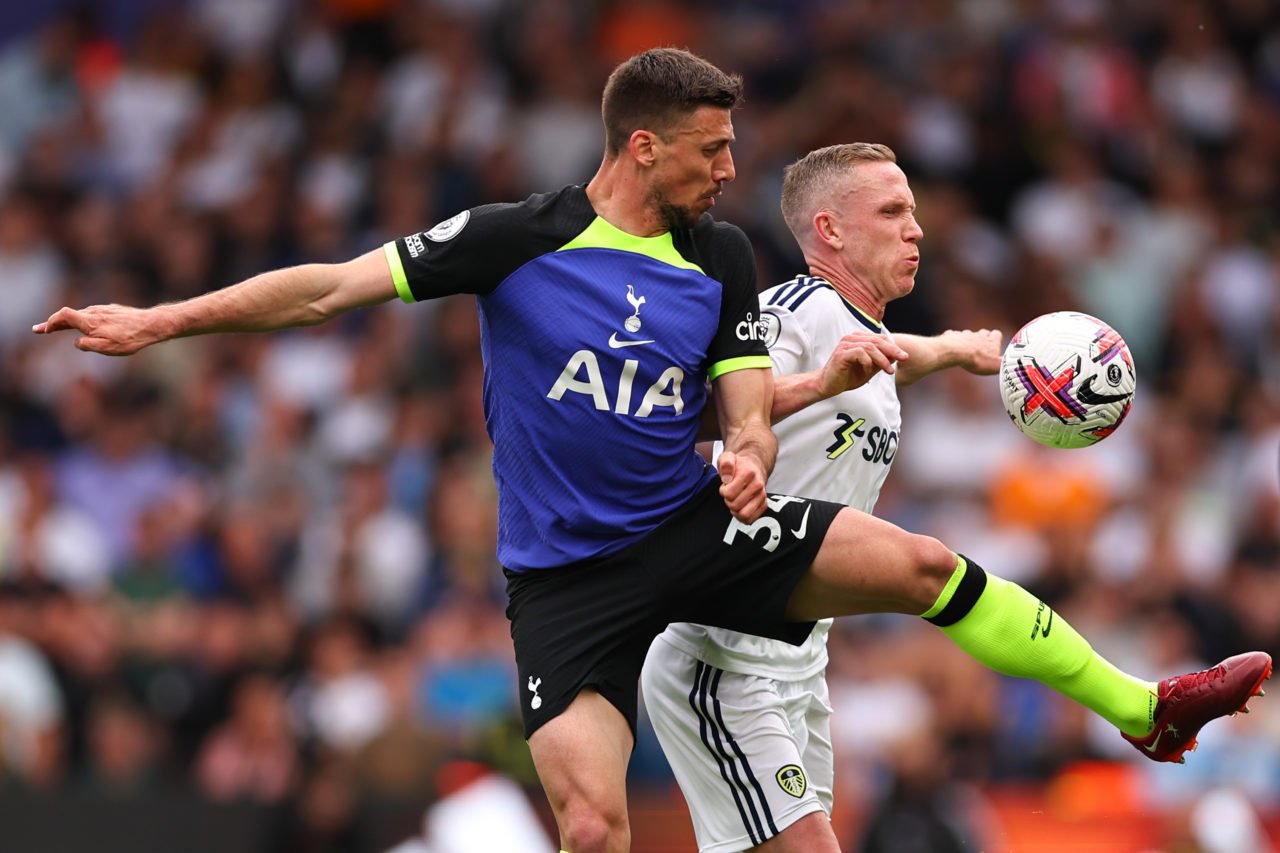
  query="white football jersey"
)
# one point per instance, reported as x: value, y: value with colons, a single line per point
x: 839, y: 449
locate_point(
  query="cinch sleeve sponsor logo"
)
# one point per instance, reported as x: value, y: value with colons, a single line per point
x: 755, y: 330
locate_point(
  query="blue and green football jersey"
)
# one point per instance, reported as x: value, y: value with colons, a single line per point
x: 597, y: 348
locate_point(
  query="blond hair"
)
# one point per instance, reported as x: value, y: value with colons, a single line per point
x: 807, y: 182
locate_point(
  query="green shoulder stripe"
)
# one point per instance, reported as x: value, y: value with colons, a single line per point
x: 601, y: 235
x: 746, y: 362
x: 397, y: 272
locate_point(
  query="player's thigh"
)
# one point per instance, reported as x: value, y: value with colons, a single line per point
x: 581, y: 757
x: 732, y: 747
x: 869, y: 565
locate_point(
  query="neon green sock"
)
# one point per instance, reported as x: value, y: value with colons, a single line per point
x: 1006, y: 628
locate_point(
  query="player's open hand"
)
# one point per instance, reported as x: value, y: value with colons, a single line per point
x: 980, y: 350
x: 106, y: 329
x: 856, y: 359
x: 742, y: 485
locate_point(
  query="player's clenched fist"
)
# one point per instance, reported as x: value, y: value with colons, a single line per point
x: 742, y: 485
x: 979, y: 351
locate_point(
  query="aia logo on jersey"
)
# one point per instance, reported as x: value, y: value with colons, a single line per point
x: 623, y: 393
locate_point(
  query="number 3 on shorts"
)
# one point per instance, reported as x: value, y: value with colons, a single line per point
x: 768, y: 524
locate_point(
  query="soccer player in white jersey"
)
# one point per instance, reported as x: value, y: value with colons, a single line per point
x: 745, y: 721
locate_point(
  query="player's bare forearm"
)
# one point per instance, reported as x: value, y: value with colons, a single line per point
x: 743, y: 400
x: 757, y: 442
x: 795, y: 391
x: 977, y: 352
x: 294, y: 296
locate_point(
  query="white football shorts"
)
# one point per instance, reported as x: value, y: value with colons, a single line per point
x: 752, y: 755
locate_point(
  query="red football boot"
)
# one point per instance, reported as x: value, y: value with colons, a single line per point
x: 1186, y: 702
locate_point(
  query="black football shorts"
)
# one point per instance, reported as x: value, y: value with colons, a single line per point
x: 590, y: 624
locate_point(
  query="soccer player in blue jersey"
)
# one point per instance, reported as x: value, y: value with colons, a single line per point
x: 605, y: 310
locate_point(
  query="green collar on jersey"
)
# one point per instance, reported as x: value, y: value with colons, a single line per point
x: 602, y: 235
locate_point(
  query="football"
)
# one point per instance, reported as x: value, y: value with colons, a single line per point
x: 1067, y: 379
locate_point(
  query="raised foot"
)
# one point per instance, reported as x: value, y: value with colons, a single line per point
x: 1185, y: 703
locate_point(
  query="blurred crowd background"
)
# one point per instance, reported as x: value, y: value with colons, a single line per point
x: 255, y: 575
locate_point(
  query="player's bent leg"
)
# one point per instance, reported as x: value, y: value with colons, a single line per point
x: 866, y: 564
x: 869, y: 565
x: 581, y: 756
x: 988, y: 617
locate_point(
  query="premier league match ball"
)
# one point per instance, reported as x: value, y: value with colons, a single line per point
x: 1067, y: 379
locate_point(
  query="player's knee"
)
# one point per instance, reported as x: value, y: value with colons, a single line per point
x: 593, y: 828
x: 934, y: 564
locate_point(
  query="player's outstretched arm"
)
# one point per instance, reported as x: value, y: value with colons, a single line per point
x: 856, y: 359
x: 294, y: 296
x: 975, y: 351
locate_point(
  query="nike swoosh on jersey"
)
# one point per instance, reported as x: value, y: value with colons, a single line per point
x: 614, y: 343
x: 804, y: 524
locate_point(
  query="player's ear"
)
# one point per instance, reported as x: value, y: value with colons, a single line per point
x: 826, y: 229
x: 643, y: 146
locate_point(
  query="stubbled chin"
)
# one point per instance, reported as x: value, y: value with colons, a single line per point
x: 676, y: 217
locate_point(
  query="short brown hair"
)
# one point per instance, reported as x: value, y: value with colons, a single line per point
x: 802, y: 180
x: 655, y: 89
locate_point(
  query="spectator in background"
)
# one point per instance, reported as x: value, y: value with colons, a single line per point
x: 125, y: 748
x: 367, y: 556
x: 32, y: 733
x: 47, y: 537
x: 340, y: 700
x: 252, y: 755
x: 30, y: 265
x: 124, y: 470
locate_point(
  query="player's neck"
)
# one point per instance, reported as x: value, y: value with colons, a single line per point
x: 852, y: 290
x: 620, y: 199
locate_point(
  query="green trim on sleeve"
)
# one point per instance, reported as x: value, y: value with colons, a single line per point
x: 746, y: 362
x: 603, y: 235
x: 397, y: 272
